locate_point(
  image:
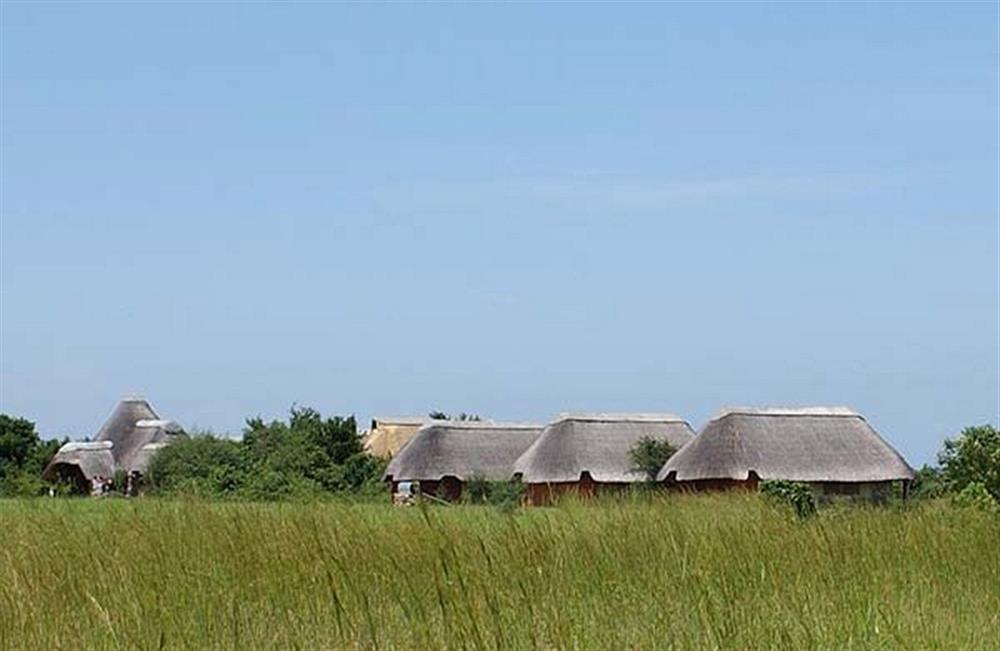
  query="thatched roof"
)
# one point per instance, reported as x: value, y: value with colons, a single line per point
x: 813, y: 444
x: 462, y: 449
x: 93, y: 458
x: 598, y: 444
x: 140, y: 460
x: 132, y: 426
x: 389, y: 434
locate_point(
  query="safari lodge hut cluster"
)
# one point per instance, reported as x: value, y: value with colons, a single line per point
x: 124, y: 444
x: 832, y: 449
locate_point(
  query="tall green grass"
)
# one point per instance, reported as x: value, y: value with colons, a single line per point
x: 724, y: 571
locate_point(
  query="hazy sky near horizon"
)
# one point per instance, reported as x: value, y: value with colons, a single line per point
x: 508, y: 210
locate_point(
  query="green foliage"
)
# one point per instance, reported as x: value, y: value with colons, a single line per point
x: 974, y: 457
x: 797, y: 495
x: 17, y: 439
x: 305, y: 457
x: 23, y: 457
x: 201, y: 464
x: 928, y: 482
x: 119, y: 482
x: 507, y: 495
x: 975, y: 495
x: 649, y: 455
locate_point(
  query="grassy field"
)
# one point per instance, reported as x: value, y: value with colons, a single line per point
x: 723, y: 571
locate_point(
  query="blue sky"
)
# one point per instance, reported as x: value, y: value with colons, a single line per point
x: 511, y: 210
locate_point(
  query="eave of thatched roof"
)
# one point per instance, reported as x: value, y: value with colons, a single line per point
x: 597, y: 444
x: 93, y: 458
x: 813, y: 444
x: 464, y: 450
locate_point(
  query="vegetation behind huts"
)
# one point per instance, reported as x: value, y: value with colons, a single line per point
x: 23, y: 455
x: 306, y: 456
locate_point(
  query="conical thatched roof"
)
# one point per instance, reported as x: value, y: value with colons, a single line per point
x: 598, y: 444
x: 814, y: 444
x: 132, y: 426
x: 462, y: 449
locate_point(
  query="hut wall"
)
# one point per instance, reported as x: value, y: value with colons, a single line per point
x: 542, y: 494
x: 871, y: 491
x: 707, y: 485
x: 447, y: 488
x: 868, y: 491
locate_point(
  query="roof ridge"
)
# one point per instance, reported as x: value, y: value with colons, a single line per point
x: 638, y: 417
x: 835, y: 411
x: 479, y: 424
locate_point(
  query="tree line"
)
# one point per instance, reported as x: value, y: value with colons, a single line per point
x: 310, y: 455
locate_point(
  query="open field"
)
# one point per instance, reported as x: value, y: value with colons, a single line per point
x: 725, y: 571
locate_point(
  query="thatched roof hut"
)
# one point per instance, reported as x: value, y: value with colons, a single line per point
x: 126, y: 441
x: 388, y: 435
x: 584, y: 452
x: 446, y: 454
x: 80, y: 461
x: 819, y: 445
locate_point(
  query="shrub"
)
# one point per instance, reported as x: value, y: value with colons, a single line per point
x: 648, y: 455
x: 304, y: 457
x: 23, y: 457
x: 797, y: 495
x: 201, y: 464
x: 928, y: 482
x: 506, y: 495
x: 973, y: 457
x: 975, y: 495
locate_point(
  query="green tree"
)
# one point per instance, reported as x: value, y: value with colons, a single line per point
x: 972, y: 457
x: 325, y: 451
x: 202, y: 464
x: 17, y: 440
x: 648, y: 455
x: 928, y: 482
x: 23, y: 457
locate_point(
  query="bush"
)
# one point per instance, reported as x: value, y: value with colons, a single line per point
x: 928, y: 482
x: 649, y: 455
x: 23, y: 457
x: 201, y: 464
x: 799, y: 496
x: 975, y: 495
x: 504, y: 494
x: 973, y: 457
x: 305, y: 457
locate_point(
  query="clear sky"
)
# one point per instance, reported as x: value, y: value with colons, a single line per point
x: 509, y: 210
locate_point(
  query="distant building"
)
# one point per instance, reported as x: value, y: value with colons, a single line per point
x: 444, y: 455
x: 126, y: 442
x: 388, y: 435
x: 590, y: 453
x: 831, y: 448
